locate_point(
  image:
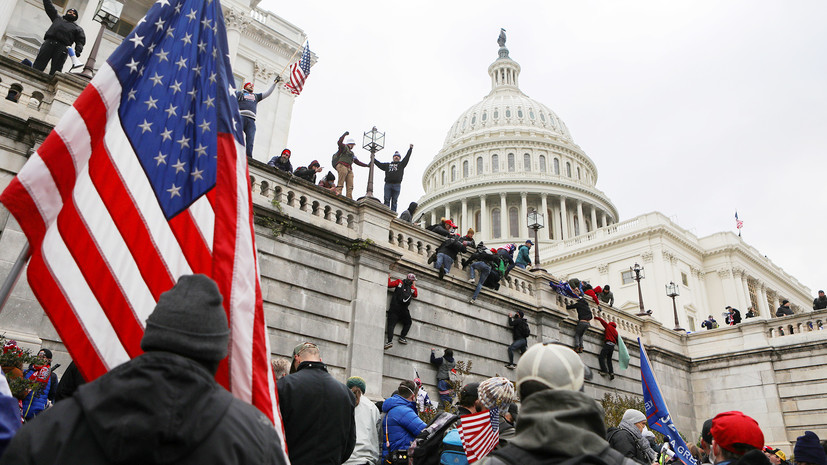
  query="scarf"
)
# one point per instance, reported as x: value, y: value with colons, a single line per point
x: 641, y: 442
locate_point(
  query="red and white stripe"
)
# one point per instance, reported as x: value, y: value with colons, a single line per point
x: 297, y: 78
x: 103, y: 252
x: 478, y: 437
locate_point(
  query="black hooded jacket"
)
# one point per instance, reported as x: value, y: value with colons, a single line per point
x: 157, y: 408
x: 62, y: 30
x: 407, y: 215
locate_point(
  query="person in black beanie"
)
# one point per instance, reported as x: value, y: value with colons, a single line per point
x: 808, y: 450
x: 163, y: 406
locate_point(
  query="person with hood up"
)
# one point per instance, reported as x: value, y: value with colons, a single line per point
x: 609, y: 342
x: 63, y: 32
x: 282, y: 162
x: 404, y: 290
x: 308, y: 173
x: 343, y: 160
x: 523, y: 256
x: 401, y: 423
x: 163, y: 406
x: 444, y: 366
x: 407, y: 215
x: 247, y: 107
x: 558, y: 422
x: 394, y: 171
x: 627, y: 438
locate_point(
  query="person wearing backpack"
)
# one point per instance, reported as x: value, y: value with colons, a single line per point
x: 627, y: 438
x: 446, y: 254
x: 401, y: 424
x: 342, y: 161
x: 404, y: 291
x: 559, y: 424
x: 444, y: 365
x: 520, y: 332
x: 482, y: 261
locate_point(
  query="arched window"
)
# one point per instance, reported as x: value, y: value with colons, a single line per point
x: 35, y: 100
x: 453, y: 173
x: 513, y: 222
x: 508, y: 112
x: 15, y: 91
x: 443, y: 177
x: 465, y: 169
x: 495, y: 163
x: 568, y: 169
x: 556, y: 166
x: 543, y: 164
x: 496, y: 230
x: 479, y: 165
x: 477, y: 220
x: 484, y: 115
x: 511, y: 163
x: 578, y: 173
x: 527, y: 162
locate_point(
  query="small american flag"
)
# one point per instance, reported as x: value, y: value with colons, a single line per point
x: 480, y: 433
x: 299, y: 71
x: 144, y: 180
x: 738, y: 223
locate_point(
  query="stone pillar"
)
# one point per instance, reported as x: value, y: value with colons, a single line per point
x: 523, y: 221
x: 465, y: 222
x: 549, y: 218
x: 594, y: 217
x: 8, y: 7
x: 564, y: 219
x: 448, y: 210
x: 486, y: 232
x: 581, y: 222
x: 433, y: 216
x: 603, y: 220
x: 728, y: 286
x: 237, y: 23
x: 503, y: 217
x: 745, y: 285
x: 763, y: 307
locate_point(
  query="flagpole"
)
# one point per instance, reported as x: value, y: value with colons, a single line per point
x: 14, y: 275
x: 290, y: 61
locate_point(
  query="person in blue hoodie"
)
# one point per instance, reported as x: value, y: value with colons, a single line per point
x: 401, y: 424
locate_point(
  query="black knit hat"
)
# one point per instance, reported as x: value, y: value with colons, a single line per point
x: 189, y: 320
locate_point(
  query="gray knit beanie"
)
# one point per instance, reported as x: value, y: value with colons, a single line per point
x: 189, y: 320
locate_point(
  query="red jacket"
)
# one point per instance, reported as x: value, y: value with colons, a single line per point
x: 610, y: 332
x: 396, y: 282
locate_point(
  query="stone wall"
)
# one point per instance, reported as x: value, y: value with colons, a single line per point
x: 324, y: 264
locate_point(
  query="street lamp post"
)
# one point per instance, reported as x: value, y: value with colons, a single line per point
x: 373, y: 141
x: 108, y: 14
x: 673, y: 291
x: 535, y: 222
x: 638, y: 270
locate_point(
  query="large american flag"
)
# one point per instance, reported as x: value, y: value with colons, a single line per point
x: 299, y: 71
x: 144, y: 180
x: 480, y: 433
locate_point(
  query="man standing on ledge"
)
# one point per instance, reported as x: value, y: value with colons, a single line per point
x: 247, y: 106
x: 63, y: 32
x: 342, y: 161
x: 394, y: 171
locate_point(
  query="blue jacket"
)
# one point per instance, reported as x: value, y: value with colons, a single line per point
x: 523, y: 258
x: 401, y: 423
x: 35, y: 402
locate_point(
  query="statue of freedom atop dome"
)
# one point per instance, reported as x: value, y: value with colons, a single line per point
x: 501, y: 38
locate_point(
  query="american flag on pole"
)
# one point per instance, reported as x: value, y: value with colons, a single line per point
x: 299, y: 71
x: 738, y: 223
x: 480, y: 433
x: 144, y: 180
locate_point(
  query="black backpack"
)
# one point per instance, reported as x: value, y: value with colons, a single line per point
x: 427, y: 447
x: 514, y: 455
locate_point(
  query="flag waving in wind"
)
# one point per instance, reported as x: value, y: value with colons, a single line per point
x: 142, y: 181
x: 480, y: 433
x: 738, y: 223
x: 299, y: 71
x: 657, y: 415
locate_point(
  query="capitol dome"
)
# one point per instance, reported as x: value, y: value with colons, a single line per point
x: 507, y: 155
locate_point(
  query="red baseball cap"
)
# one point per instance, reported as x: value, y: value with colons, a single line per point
x: 732, y: 428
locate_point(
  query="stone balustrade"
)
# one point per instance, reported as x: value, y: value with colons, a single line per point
x: 797, y: 324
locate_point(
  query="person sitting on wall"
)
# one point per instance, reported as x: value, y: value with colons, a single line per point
x: 308, y: 173
x: 282, y: 162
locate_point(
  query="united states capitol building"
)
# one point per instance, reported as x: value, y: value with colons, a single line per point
x: 509, y: 154
x: 324, y: 259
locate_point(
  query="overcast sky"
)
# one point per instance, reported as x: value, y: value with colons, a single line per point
x: 694, y: 109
